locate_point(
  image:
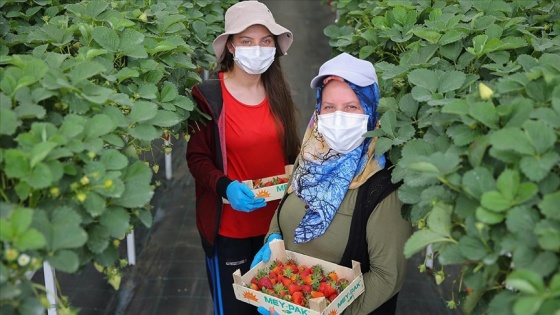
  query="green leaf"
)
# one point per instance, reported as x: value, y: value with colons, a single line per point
x: 456, y: 106
x: 106, y: 38
x: 168, y: 92
x: 65, y: 221
x: 478, y: 181
x: 29, y: 240
x: 495, y: 201
x: 489, y: 217
x: 388, y: 122
x: 40, y: 151
x: 548, y: 234
x: 537, y: 168
x: 8, y: 121
x: 165, y: 118
x: 485, y: 112
x: 113, y: 159
x: 526, y: 282
x: 511, y: 139
x: 116, y: 220
x: 20, y: 220
x: 549, y: 205
x: 540, y: 135
x: 521, y: 219
x: 95, y: 204
x: 451, y: 36
x: 64, y: 260
x: 439, y: 220
x: 527, y: 305
x: 145, y: 132
x: 424, y: 78
x: 99, y: 125
x: 472, y: 247
x: 431, y: 36
x: 85, y: 70
x: 137, y: 186
x: 450, y: 81
x: 508, y: 183
x: 142, y: 111
x: 98, y: 239
x: 40, y: 177
x: 526, y: 191
x: 145, y: 217
x: 421, y: 239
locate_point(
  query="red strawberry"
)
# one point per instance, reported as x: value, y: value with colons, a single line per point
x: 306, y: 288
x: 265, y: 282
x: 297, y: 298
x: 332, y: 296
x: 293, y: 288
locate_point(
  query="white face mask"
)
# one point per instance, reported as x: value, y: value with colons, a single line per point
x: 343, y: 131
x: 254, y: 59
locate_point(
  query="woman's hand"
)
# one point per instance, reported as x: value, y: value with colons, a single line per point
x: 264, y: 311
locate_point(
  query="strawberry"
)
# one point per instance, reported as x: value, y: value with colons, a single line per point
x: 297, y: 298
x: 316, y: 294
x: 332, y: 296
x: 306, y: 288
x: 333, y: 276
x: 293, y: 288
x: 265, y: 282
x: 285, y: 281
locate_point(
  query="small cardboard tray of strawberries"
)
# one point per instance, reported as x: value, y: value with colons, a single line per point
x: 270, y: 188
x: 294, y: 283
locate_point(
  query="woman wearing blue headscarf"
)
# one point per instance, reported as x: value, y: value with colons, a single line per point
x: 341, y: 204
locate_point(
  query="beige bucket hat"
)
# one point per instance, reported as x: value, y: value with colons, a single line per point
x: 244, y: 14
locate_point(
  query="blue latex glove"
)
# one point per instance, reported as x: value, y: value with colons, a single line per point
x: 264, y: 253
x: 262, y: 310
x: 242, y: 198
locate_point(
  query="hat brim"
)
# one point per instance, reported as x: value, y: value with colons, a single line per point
x: 284, y: 37
x: 356, y: 78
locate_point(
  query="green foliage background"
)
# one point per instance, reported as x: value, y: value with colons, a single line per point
x: 85, y: 89
x: 480, y: 170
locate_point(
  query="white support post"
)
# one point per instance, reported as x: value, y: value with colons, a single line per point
x: 50, y: 286
x: 429, y: 257
x: 130, y: 248
x: 168, y: 171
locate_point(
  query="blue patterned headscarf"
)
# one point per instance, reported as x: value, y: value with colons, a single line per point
x: 323, y: 176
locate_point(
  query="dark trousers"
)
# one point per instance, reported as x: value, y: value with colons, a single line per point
x: 229, y: 255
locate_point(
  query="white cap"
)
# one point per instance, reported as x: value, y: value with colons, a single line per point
x: 348, y: 67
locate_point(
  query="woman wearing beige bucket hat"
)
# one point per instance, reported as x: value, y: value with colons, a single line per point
x: 252, y: 134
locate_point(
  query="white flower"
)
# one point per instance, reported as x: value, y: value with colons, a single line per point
x: 23, y: 260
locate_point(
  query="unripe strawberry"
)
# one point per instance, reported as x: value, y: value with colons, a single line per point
x: 451, y: 305
x: 440, y: 276
x: 55, y: 191
x: 155, y: 168
x: 422, y: 268
x: 81, y: 196
x: 168, y: 150
x: 91, y: 155
x: 108, y: 183
x: 486, y: 93
x: 187, y: 137
x: 143, y: 17
x: 11, y: 254
x: 84, y: 181
x: 116, y: 243
x: 421, y: 224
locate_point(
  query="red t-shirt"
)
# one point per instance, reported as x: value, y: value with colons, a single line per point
x: 253, y: 151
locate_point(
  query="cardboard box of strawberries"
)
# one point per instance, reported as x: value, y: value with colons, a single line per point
x: 294, y: 283
x: 270, y: 188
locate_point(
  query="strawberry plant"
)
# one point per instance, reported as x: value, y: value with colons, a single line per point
x: 86, y: 90
x: 471, y: 120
